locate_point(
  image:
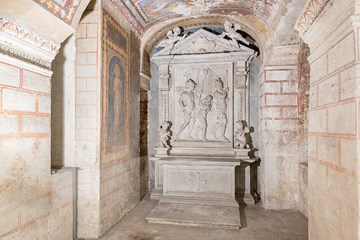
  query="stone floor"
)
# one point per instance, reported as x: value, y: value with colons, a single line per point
x: 258, y: 224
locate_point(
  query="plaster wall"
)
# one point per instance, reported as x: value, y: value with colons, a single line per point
x: 62, y: 105
x: 33, y: 203
x: 87, y: 120
x: 334, y: 123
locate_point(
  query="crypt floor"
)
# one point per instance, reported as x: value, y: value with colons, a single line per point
x: 258, y: 224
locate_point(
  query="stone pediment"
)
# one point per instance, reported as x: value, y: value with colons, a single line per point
x: 202, y: 41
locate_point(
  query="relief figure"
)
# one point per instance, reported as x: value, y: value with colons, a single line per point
x: 220, y: 98
x: 201, y: 119
x: 187, y: 104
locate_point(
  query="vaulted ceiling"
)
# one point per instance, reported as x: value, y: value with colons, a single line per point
x: 149, y: 12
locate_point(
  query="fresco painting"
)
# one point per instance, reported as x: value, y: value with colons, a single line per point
x: 115, y: 119
x: 154, y: 9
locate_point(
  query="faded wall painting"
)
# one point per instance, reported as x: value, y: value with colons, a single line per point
x: 115, y: 119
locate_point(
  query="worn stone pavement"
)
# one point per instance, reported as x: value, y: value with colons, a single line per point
x: 258, y: 224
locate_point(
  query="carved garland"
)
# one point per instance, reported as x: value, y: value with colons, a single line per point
x: 312, y: 11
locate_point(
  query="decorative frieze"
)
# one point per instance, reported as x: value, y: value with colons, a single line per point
x: 310, y: 13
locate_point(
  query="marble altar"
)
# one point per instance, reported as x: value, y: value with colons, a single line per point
x: 203, y: 127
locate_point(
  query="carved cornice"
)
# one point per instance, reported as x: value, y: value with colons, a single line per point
x: 312, y: 10
x: 19, y: 42
x: 33, y: 39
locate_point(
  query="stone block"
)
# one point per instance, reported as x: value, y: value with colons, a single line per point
x: 89, y: 17
x: 91, y: 30
x: 81, y: 31
x: 277, y: 75
x: 36, y: 82
x: 91, y: 110
x: 86, y: 71
x: 86, y: 45
x: 91, y: 84
x: 9, y: 220
x: 86, y: 122
x: 91, y: 134
x: 35, y: 124
x: 81, y: 58
x: 342, y: 184
x: 44, y: 104
x: 318, y: 68
x: 313, y: 96
x: 28, y: 232
x: 9, y: 124
x: 318, y: 121
x: 290, y: 87
x: 271, y: 87
x: 342, y: 53
x: 342, y: 118
x: 81, y: 111
x: 80, y: 84
x: 349, y: 222
x: 290, y: 112
x: 34, y: 209
x: 312, y: 146
x: 85, y: 98
x: 329, y: 91
x: 317, y: 177
x: 281, y: 125
x: 281, y: 100
x: 10, y: 75
x: 18, y: 101
x: 348, y: 151
x: 80, y: 135
x: 348, y: 81
x: 328, y: 149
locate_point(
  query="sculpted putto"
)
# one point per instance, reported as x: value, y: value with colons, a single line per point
x: 231, y: 32
x: 165, y: 134
x: 172, y: 37
x: 240, y: 135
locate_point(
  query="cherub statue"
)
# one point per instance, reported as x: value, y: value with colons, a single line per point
x: 172, y: 37
x: 231, y: 32
x: 165, y: 134
x: 240, y: 135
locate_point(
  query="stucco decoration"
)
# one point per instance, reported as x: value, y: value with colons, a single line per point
x: 172, y: 37
x: 63, y: 9
x: 26, y: 44
x: 310, y: 13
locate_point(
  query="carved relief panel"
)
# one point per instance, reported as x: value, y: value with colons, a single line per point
x: 203, y: 102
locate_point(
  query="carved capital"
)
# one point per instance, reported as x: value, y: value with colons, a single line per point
x: 164, y: 80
